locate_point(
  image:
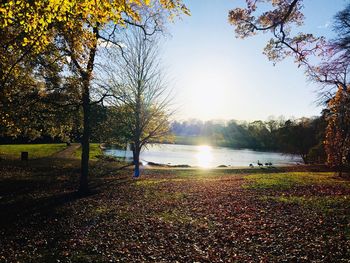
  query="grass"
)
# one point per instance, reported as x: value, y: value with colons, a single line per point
x: 171, y: 215
x: 153, y: 182
x: 288, y: 180
x: 192, y: 174
x: 153, y: 194
x: 95, y: 151
x: 13, y: 151
x: 316, y: 191
x: 103, y: 209
x: 174, y: 216
x: 325, y: 204
x: 146, y: 183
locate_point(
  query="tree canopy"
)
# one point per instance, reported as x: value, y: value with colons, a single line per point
x: 326, y: 61
x: 73, y: 29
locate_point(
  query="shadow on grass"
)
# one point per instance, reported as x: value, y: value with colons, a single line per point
x: 26, y: 208
x: 37, y: 188
x: 34, y: 189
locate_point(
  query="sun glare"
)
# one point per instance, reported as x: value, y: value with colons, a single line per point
x: 208, y: 92
x: 204, y: 156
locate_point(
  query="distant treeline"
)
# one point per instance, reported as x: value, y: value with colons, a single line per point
x: 302, y: 136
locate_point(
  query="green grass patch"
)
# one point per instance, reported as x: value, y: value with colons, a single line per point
x: 95, y: 151
x: 287, y: 180
x: 174, y: 216
x: 153, y: 182
x: 150, y: 182
x: 326, y: 204
x: 179, y: 177
x: 154, y: 195
x: 100, y: 210
x: 193, y: 174
x: 13, y: 151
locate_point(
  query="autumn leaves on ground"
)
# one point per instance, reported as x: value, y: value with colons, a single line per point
x: 256, y: 215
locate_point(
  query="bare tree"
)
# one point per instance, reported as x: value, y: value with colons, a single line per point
x: 86, y: 53
x: 143, y: 98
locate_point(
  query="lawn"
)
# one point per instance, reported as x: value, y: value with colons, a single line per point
x: 288, y: 180
x: 180, y: 215
x: 95, y: 151
x: 13, y: 151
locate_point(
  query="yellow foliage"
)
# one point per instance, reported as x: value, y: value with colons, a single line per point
x: 37, y: 18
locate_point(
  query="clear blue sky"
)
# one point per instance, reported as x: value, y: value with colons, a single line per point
x: 216, y: 76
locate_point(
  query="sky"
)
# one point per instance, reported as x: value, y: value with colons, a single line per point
x: 213, y: 75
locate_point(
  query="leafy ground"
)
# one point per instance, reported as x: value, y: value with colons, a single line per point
x: 172, y: 215
x: 13, y: 151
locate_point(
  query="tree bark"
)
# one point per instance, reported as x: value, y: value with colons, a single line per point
x: 85, y: 143
x: 340, y: 167
x: 137, y: 163
x: 340, y: 171
x: 304, y: 157
x: 137, y: 135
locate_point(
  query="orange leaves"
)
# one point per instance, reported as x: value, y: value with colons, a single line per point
x: 337, y: 143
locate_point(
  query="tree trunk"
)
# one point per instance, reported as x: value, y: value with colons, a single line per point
x: 340, y: 172
x: 85, y: 143
x: 137, y: 162
x: 137, y: 134
x: 137, y: 166
x: 305, y: 159
x: 340, y: 169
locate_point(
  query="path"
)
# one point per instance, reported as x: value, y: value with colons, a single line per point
x: 68, y: 152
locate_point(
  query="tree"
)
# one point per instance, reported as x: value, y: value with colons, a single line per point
x: 139, y: 82
x: 28, y: 27
x: 285, y: 14
x: 237, y: 135
x: 298, y: 137
x: 83, y: 54
x: 337, y: 143
x: 332, y: 66
x: 75, y: 27
x: 28, y: 105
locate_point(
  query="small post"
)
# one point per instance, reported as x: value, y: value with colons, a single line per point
x: 24, y: 156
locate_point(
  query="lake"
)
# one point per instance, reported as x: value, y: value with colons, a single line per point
x: 205, y: 156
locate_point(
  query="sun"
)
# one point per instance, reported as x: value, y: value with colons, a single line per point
x: 208, y: 94
x: 204, y: 156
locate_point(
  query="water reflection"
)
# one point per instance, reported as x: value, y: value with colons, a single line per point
x: 204, y: 156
